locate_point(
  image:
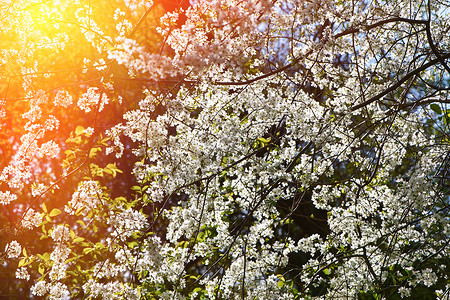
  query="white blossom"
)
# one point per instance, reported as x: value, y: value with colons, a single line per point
x: 60, y: 233
x: 13, y: 249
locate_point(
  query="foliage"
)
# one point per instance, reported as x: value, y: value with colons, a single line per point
x: 225, y: 149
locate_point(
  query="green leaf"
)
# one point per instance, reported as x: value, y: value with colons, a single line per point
x: 22, y: 262
x: 41, y: 269
x: 46, y: 256
x: 44, y: 207
x: 77, y: 240
x: 71, y: 260
x: 114, y: 167
x: 135, y: 188
x: 326, y: 271
x: 79, y: 210
x: 79, y: 130
x: 55, y: 212
x: 446, y: 119
x: 132, y: 244
x: 76, y: 140
x: 264, y: 140
x: 436, y: 108
x: 120, y: 199
x: 93, y: 152
x: 280, y: 284
x: 70, y: 154
x: 87, y: 250
x: 104, y: 141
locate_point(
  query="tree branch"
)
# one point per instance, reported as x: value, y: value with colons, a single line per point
x: 399, y: 83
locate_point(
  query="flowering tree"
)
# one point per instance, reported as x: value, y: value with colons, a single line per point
x: 226, y: 149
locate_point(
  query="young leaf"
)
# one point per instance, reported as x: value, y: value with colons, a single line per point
x: 77, y: 240
x: 54, y: 212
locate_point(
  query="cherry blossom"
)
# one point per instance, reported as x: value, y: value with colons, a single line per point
x: 277, y: 149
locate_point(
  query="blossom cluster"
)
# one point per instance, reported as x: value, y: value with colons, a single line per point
x: 280, y: 149
x: 86, y: 197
